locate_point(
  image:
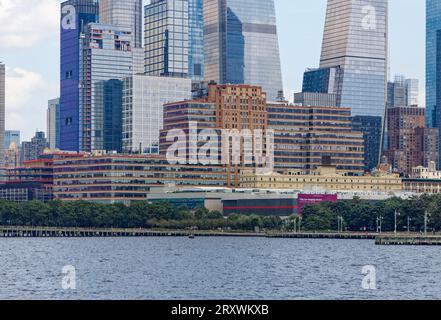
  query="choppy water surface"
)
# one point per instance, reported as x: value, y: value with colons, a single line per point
x: 215, y: 268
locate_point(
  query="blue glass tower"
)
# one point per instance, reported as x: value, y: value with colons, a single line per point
x: 433, y: 66
x: 241, y: 44
x: 174, y: 39
x: 112, y: 100
x: 433, y: 24
x: 359, y: 49
x: 196, y: 39
x: 75, y: 15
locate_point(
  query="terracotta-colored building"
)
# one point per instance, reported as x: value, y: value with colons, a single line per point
x: 406, y: 128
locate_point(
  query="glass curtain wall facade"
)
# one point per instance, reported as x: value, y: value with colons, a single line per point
x: 143, y: 101
x: 174, y: 39
x: 241, y: 44
x: 356, y: 40
x: 433, y: 24
x: 126, y: 13
x: 107, y: 55
x: 75, y: 15
x: 196, y: 38
x: 112, y: 100
x: 166, y: 38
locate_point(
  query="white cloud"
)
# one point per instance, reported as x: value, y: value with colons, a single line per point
x: 25, y: 23
x: 26, y: 101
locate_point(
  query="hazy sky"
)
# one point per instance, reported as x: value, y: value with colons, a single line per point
x: 29, y: 45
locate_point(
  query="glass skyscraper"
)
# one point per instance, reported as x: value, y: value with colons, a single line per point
x: 433, y: 66
x: 241, y: 44
x: 356, y: 40
x: 112, y: 101
x: 433, y: 24
x: 174, y: 39
x: 75, y: 15
x: 125, y: 13
x: 106, y: 55
x: 360, y: 49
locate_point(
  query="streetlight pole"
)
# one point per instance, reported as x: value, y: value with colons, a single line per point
x: 425, y: 222
x: 381, y: 224
x: 396, y: 214
x: 408, y: 225
x: 338, y: 224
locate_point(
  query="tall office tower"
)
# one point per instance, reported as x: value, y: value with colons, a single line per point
x: 143, y: 100
x: 174, y: 39
x: 241, y: 44
x: 356, y: 40
x: 75, y: 16
x: 2, y: 109
x: 53, y: 123
x: 106, y: 55
x: 124, y: 13
x: 433, y: 67
x: 11, y: 136
x: 433, y: 51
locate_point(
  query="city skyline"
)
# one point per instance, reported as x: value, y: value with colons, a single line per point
x: 300, y: 27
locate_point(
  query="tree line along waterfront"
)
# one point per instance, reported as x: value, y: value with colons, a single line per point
x: 352, y: 215
x: 364, y: 215
x: 138, y: 215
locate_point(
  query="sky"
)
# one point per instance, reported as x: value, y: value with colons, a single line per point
x: 29, y: 45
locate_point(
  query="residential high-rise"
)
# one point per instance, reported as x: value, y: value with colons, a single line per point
x: 32, y: 150
x: 174, y: 39
x: 53, y: 123
x: 107, y: 55
x: 143, y: 100
x: 427, y: 142
x: 356, y: 40
x: 124, y: 13
x: 2, y: 110
x: 402, y: 125
x: 75, y: 16
x: 241, y: 44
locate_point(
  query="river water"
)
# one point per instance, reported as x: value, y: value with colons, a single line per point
x: 214, y: 268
